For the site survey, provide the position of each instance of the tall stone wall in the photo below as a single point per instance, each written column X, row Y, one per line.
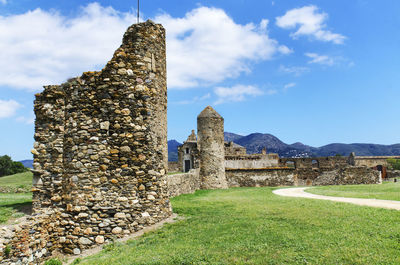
column 100, row 153
column 210, row 131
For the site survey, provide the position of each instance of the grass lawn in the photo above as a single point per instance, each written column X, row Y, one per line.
column 385, row 191
column 254, row 226
column 13, row 205
column 18, row 181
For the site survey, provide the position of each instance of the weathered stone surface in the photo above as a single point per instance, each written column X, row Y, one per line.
column 97, row 137
column 210, row 133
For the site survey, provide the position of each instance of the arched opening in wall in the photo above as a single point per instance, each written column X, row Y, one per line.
column 382, row 169
column 290, row 164
column 314, row 164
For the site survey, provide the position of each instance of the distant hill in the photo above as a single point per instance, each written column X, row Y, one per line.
column 173, row 150
column 255, row 142
column 27, row 163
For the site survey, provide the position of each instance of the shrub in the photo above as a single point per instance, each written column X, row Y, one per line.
column 394, row 163
column 7, row 251
column 53, row 262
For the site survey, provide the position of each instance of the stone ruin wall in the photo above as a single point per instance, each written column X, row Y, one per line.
column 251, row 161
column 183, row 183
column 100, row 153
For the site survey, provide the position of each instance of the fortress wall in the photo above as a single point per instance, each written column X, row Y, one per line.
column 48, row 148
column 263, row 177
column 101, row 152
column 251, row 161
column 183, row 183
column 260, row 177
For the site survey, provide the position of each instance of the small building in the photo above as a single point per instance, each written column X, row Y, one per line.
column 188, row 154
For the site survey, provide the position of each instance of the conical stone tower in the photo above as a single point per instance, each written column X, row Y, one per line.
column 210, row 130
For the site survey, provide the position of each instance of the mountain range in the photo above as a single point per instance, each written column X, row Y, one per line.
column 255, row 142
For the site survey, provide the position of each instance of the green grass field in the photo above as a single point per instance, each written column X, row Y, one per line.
column 13, row 205
column 386, row 191
column 17, row 181
column 254, row 226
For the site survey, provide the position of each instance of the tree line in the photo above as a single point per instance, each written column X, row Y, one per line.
column 10, row 167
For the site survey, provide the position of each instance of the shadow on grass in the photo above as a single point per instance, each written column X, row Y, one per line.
column 25, row 208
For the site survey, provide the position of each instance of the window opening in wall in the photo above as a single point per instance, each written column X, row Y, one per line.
column 290, row 164
column 315, row 164
column 187, row 150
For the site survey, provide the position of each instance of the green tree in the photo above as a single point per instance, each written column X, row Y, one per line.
column 9, row 167
column 394, row 163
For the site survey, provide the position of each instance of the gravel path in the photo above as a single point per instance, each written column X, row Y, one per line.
column 299, row 192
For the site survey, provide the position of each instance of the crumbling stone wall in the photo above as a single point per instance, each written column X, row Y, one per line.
column 253, row 177
column 210, row 131
column 100, row 153
column 251, row 161
column 183, row 183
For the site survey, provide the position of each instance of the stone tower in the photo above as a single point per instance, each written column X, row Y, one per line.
column 210, row 133
column 100, row 154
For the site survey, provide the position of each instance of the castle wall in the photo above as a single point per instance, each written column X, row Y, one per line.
column 348, row 175
column 251, row 161
column 100, row 155
column 260, row 177
column 183, row 183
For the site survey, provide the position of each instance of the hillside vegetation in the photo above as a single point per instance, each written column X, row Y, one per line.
column 254, row 226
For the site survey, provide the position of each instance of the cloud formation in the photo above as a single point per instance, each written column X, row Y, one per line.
column 8, row 108
column 44, row 47
column 236, row 93
column 320, row 59
column 204, row 47
column 3, row 2
column 309, row 22
column 296, row 70
column 207, row 46
column 287, row 86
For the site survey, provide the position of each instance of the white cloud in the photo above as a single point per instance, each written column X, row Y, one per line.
column 8, row 108
column 290, row 85
column 236, row 93
column 26, row 120
column 320, row 59
column 296, row 70
column 310, row 22
column 43, row 47
column 3, row 2
column 195, row 99
column 271, row 92
column 207, row 46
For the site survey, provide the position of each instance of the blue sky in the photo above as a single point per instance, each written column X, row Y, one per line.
column 315, row 72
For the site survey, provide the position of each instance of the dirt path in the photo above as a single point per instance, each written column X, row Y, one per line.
column 299, row 192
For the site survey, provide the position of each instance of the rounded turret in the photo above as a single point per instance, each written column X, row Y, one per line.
column 210, row 134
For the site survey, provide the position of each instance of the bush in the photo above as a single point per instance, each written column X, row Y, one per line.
column 394, row 163
column 9, row 167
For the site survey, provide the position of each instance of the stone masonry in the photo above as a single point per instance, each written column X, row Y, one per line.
column 210, row 131
column 100, row 152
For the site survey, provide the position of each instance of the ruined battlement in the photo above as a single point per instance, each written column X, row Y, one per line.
column 100, row 152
